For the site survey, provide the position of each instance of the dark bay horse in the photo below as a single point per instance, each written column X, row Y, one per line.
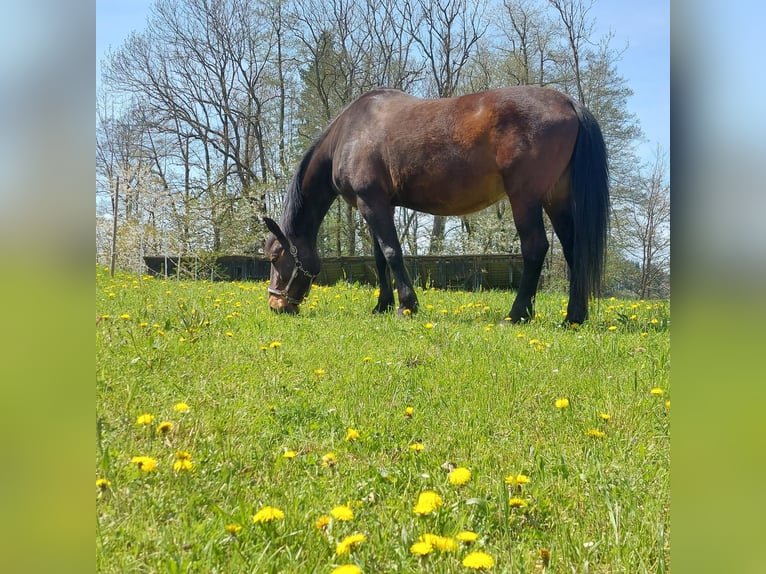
column 452, row 156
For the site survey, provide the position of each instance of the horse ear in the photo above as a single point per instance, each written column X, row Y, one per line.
column 274, row 228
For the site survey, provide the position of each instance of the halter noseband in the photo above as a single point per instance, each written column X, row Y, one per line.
column 282, row 294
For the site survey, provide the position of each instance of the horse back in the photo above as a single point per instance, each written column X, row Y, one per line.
column 452, row 156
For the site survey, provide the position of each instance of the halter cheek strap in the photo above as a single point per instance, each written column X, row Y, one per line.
column 282, row 293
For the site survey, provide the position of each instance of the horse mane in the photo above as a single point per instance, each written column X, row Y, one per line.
column 294, row 197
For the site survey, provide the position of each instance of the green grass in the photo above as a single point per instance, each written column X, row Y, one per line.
column 483, row 397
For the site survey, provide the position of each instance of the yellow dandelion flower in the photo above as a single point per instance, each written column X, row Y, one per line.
column 417, row 446
column 268, row 514
column 428, row 502
column 289, row 454
column 562, row 403
column 329, row 460
column 322, row 522
column 595, row 433
column 144, row 419
column 409, row 412
column 180, row 407
column 183, row 464
column 319, row 372
column 478, row 561
column 124, row 316
column 275, row 344
column 349, row 543
column 103, row 483
column 183, row 455
column 352, row 434
column 441, row 543
column 517, row 503
column 667, row 404
column 605, row 416
column 145, row 463
column 347, row 569
column 459, row 476
column 467, row 537
column 421, row 548
column 366, row 359
column 612, row 328
column 429, row 325
column 164, row 427
column 232, row 528
column 657, row 392
column 407, row 312
column 342, row 513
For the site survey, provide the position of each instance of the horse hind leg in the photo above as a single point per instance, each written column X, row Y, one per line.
column 560, row 214
column 528, row 219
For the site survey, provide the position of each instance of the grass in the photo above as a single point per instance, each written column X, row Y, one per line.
column 482, row 396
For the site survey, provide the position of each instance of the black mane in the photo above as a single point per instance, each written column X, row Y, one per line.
column 294, row 197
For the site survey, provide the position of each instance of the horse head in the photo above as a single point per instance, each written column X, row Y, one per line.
column 290, row 281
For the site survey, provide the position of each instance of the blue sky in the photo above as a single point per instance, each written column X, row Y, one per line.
column 641, row 25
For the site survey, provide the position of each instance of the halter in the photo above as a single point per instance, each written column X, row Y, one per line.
column 298, row 267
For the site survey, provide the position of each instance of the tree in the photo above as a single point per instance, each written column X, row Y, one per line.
column 643, row 227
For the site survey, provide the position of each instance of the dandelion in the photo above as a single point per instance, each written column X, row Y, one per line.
column 352, row 434
column 347, row 569
column 667, row 404
column 349, row 543
column 562, row 403
column 322, row 522
column 428, row 502
column 459, row 476
column 103, row 483
column 183, row 455
column 478, row 561
column 517, row 479
column 124, row 316
column 517, row 503
column 595, row 433
column 289, row 454
column 229, row 334
column 164, row 427
column 407, row 312
column 441, row 543
column 181, row 407
column 657, row 392
column 366, row 359
column 605, row 416
column 429, row 325
column 144, row 419
column 144, row 463
column 275, row 344
column 232, row 528
column 421, row 548
column 416, row 446
column 408, row 412
column 183, row 464
column 268, row 514
column 342, row 513
column 319, row 372
column 329, row 460
column 467, row 537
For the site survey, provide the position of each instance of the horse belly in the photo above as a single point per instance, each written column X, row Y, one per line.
column 451, row 192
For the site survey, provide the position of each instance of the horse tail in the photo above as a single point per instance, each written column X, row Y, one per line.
column 589, row 172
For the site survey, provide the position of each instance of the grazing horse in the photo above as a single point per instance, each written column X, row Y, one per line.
column 452, row 156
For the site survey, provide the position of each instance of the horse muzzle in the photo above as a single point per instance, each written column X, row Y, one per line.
column 282, row 305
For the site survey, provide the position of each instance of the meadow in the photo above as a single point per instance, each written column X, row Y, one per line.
column 232, row 439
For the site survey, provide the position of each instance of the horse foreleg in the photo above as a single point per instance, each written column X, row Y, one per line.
column 386, row 296
column 380, row 219
column 534, row 246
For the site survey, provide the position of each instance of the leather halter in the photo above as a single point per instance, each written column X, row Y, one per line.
column 282, row 293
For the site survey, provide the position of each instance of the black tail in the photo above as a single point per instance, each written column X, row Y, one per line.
column 590, row 204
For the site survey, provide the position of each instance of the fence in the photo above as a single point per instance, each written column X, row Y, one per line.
column 467, row 272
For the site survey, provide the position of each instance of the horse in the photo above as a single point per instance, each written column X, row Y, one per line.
column 536, row 146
